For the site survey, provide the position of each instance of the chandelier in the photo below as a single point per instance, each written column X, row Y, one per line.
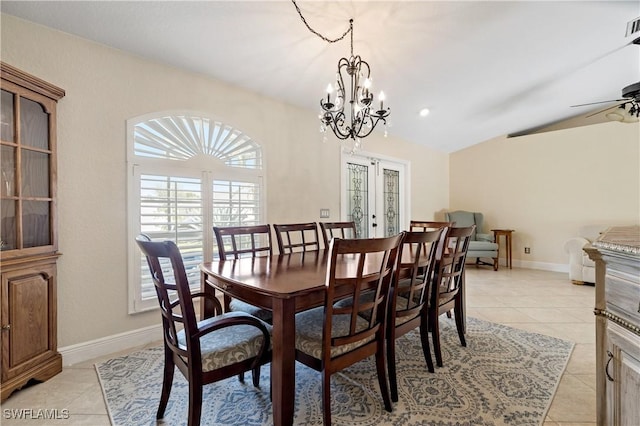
column 352, row 114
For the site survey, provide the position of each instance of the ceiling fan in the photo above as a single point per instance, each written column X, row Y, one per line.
column 625, row 110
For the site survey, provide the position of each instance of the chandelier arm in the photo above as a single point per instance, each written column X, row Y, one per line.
column 335, row 123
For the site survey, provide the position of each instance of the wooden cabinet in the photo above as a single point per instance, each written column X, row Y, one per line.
column 28, row 233
column 617, row 257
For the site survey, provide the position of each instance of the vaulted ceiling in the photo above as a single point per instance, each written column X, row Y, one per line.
column 483, row 68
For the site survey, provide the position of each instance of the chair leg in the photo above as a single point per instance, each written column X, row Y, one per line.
column 424, row 339
column 495, row 263
column 256, row 376
column 241, row 377
column 326, row 397
column 459, row 314
column 167, row 383
column 391, row 362
column 381, row 365
column 435, row 336
column 195, row 402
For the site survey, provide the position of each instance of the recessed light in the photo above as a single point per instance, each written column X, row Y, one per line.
column 424, row 112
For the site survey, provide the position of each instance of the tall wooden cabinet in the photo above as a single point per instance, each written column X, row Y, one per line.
column 617, row 256
column 28, row 234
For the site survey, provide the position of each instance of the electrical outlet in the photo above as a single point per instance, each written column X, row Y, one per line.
column 527, row 250
column 324, row 213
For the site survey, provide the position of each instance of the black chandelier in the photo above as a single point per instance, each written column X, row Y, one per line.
column 350, row 115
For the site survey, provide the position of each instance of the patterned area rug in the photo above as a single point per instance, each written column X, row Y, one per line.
column 504, row 376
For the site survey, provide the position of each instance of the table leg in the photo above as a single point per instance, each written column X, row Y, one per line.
column 283, row 363
column 509, row 251
column 207, row 309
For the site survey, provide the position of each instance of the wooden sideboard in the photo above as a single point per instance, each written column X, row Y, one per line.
column 617, row 307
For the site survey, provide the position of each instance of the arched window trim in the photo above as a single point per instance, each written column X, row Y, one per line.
column 199, row 160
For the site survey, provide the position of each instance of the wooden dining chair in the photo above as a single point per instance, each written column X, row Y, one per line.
column 297, row 237
column 337, row 229
column 424, row 225
column 235, row 242
column 330, row 338
column 204, row 351
column 410, row 294
column 447, row 286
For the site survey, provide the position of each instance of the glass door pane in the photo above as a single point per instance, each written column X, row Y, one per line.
column 357, row 199
column 35, row 174
column 36, row 220
column 34, row 124
column 7, row 129
column 8, row 225
column 391, row 203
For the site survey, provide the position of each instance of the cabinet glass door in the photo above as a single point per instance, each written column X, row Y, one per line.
column 25, row 185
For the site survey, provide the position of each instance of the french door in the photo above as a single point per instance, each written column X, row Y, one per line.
column 374, row 195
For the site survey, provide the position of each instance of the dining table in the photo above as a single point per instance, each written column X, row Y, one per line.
column 285, row 284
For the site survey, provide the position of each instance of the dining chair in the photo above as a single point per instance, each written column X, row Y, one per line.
column 204, row 351
column 410, row 294
column 425, row 225
column 447, row 286
column 331, row 337
column 235, row 242
column 297, row 237
column 337, row 229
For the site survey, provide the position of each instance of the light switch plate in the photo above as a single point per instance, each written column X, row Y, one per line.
column 324, row 214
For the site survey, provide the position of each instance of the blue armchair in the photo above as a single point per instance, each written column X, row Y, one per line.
column 481, row 245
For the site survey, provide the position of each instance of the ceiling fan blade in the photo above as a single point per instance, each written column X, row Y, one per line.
column 600, row 102
column 578, row 120
column 606, row 109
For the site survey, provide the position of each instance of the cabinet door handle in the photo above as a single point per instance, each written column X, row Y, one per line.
column 6, row 327
column 606, row 368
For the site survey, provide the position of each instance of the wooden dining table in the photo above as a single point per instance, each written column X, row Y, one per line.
column 285, row 284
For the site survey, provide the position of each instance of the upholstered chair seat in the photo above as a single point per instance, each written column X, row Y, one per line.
column 309, row 335
column 227, row 346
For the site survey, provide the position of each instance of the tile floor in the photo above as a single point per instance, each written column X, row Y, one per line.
column 537, row 301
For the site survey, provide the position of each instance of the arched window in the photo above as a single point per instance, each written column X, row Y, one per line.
column 186, row 173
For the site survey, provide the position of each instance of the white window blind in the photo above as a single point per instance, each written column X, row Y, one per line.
column 171, row 209
column 188, row 173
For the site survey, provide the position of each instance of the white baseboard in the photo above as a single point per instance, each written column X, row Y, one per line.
column 545, row 266
column 85, row 351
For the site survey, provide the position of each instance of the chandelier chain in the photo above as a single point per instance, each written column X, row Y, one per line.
column 328, row 40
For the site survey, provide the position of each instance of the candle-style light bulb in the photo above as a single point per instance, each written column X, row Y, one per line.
column 382, row 98
column 329, row 92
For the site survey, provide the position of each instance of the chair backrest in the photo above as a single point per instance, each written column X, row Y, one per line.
column 416, row 263
column 297, row 237
column 344, row 230
column 238, row 241
column 164, row 258
column 424, row 225
column 449, row 269
column 463, row 219
column 372, row 274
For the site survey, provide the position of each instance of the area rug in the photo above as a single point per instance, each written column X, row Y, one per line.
column 504, row 376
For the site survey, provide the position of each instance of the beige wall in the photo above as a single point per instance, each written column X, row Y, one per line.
column 105, row 87
column 547, row 186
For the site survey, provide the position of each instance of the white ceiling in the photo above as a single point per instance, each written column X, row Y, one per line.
column 483, row 68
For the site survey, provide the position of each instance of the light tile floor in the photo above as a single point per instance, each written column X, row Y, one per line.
column 537, row 301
